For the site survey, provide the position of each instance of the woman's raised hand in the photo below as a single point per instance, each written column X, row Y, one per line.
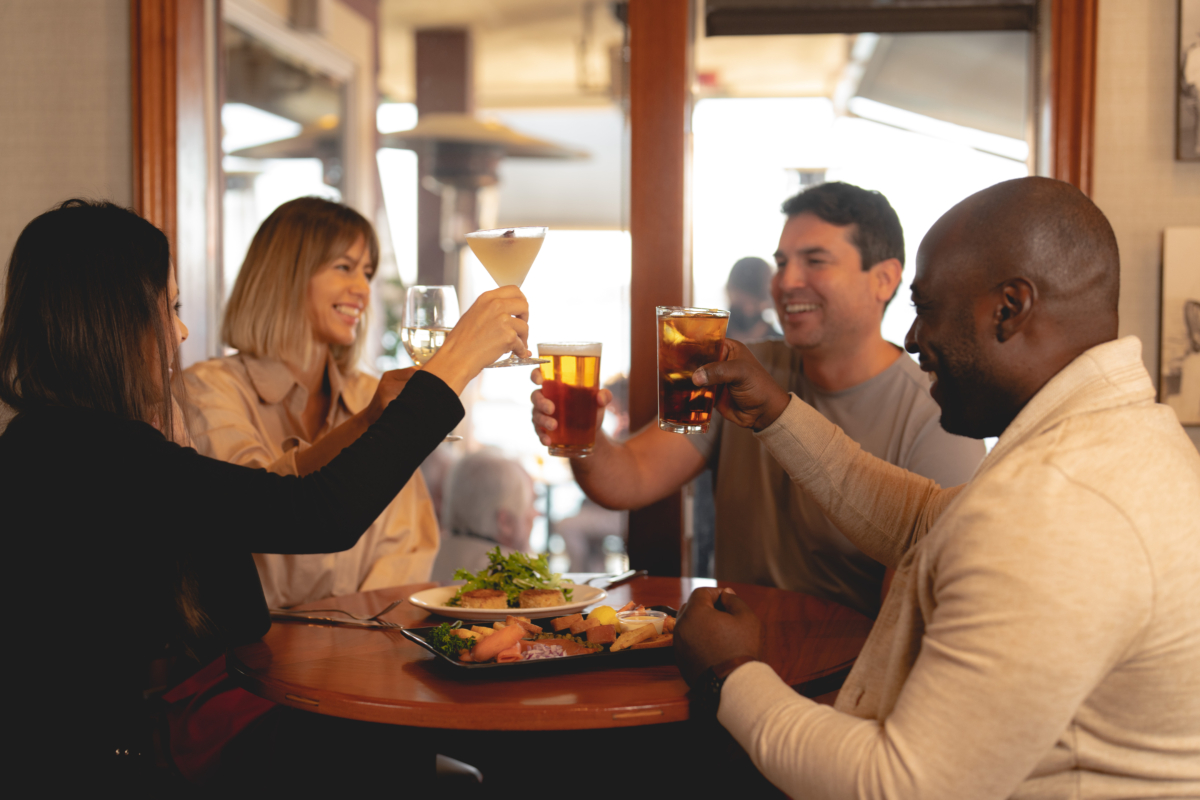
column 497, row 323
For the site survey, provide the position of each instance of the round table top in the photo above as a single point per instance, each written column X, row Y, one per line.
column 377, row 675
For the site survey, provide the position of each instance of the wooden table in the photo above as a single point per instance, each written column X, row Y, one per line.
column 377, row 675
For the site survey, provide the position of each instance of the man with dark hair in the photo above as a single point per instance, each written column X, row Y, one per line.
column 830, row 296
column 876, row 228
column 1041, row 638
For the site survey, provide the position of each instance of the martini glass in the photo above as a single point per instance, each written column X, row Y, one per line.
column 507, row 254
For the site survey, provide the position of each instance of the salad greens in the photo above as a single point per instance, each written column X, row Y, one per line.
column 511, row 574
column 445, row 641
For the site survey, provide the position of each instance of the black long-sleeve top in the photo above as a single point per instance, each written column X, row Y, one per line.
column 98, row 513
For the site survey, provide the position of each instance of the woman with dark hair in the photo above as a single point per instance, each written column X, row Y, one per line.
column 126, row 546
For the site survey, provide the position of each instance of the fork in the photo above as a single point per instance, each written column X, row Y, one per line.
column 375, row 618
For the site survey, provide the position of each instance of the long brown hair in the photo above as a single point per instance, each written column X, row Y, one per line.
column 267, row 310
column 86, row 292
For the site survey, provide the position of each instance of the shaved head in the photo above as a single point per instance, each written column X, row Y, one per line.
column 1047, row 232
column 1012, row 284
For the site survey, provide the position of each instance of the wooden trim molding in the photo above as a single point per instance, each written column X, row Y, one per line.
column 153, row 41
column 659, row 152
column 1072, row 104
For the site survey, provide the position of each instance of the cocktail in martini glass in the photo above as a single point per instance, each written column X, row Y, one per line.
column 507, row 254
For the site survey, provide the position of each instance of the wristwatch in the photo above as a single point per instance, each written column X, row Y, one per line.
column 712, row 680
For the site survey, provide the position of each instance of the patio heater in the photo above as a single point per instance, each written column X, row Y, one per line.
column 459, row 155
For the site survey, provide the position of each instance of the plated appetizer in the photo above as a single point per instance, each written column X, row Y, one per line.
column 517, row 638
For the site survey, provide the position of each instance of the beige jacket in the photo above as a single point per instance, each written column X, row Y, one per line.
column 1042, row 636
column 247, row 410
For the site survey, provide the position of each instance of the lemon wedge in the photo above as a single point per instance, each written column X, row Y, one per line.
column 604, row 615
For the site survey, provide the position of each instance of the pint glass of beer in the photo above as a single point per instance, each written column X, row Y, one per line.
column 570, row 380
column 688, row 338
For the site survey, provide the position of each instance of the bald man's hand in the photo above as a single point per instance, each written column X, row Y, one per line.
column 714, row 627
column 751, row 398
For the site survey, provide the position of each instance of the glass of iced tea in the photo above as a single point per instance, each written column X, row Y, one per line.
column 570, row 380
column 688, row 338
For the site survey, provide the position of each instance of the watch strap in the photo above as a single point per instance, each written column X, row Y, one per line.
column 713, row 680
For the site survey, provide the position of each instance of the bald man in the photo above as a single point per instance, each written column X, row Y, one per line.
column 1042, row 636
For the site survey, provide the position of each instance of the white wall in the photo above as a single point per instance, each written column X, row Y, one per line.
column 65, row 118
column 1138, row 184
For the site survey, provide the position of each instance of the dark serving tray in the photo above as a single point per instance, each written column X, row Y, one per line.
column 604, row 658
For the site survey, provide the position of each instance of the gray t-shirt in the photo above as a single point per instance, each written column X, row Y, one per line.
column 769, row 532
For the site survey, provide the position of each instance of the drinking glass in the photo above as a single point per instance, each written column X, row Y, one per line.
column 507, row 254
column 688, row 338
column 571, row 380
column 429, row 314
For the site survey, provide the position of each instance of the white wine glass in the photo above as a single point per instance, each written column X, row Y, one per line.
column 429, row 314
column 507, row 254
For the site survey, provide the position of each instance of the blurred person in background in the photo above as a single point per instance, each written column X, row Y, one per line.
column 293, row 396
column 488, row 503
column 749, row 293
column 838, row 265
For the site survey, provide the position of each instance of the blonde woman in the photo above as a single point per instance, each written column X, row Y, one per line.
column 292, row 397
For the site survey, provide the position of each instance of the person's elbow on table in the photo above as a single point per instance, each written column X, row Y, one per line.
column 747, row 395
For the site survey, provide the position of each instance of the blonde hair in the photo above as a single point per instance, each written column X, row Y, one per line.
column 267, row 311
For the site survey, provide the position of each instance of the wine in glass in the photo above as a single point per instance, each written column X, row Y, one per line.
column 429, row 314
column 507, row 254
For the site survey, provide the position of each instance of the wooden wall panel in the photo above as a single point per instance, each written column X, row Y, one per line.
column 659, row 225
column 1072, row 104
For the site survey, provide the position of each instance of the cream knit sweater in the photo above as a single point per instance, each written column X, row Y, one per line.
column 1042, row 635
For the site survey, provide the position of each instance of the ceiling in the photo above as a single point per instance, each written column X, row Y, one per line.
column 564, row 53
column 975, row 79
column 528, row 53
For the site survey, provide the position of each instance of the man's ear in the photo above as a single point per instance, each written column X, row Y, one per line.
column 886, row 275
column 1014, row 308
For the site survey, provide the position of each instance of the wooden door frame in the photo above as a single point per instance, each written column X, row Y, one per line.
column 660, row 163
column 660, row 107
column 1067, row 33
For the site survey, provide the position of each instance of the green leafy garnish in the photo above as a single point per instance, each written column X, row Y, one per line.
column 512, row 575
column 445, row 641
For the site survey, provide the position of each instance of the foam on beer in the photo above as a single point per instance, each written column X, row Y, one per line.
column 570, row 349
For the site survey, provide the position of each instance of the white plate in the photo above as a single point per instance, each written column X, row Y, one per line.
column 434, row 601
